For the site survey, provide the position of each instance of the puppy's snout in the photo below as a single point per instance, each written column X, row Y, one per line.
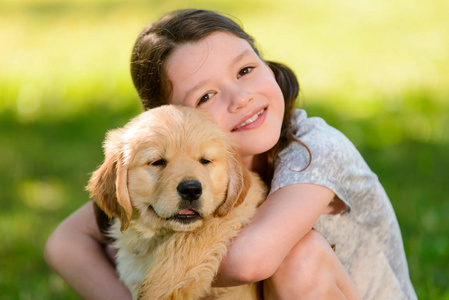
column 190, row 190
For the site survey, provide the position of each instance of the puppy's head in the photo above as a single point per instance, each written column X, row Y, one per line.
column 170, row 167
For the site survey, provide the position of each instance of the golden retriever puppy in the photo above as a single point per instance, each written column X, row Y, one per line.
column 178, row 194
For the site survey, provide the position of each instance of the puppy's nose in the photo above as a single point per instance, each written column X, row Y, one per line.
column 190, row 190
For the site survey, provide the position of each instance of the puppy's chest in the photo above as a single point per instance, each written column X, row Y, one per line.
column 135, row 255
column 137, row 244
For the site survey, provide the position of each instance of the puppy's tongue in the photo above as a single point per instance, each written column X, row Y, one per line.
column 186, row 212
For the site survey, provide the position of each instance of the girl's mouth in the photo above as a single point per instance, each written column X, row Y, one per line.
column 251, row 119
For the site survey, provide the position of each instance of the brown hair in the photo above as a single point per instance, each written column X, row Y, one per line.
column 158, row 40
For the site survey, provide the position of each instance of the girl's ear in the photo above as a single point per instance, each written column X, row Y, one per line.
column 108, row 186
column 238, row 186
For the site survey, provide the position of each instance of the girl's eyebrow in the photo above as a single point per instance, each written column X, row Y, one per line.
column 197, row 86
column 233, row 62
column 240, row 56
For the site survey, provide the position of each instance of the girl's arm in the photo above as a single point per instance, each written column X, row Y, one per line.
column 75, row 251
column 281, row 221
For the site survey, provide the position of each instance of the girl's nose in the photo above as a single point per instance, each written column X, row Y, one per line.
column 239, row 99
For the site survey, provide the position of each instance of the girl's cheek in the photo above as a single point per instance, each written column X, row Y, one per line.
column 218, row 113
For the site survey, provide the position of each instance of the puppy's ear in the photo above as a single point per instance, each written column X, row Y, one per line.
column 121, row 184
column 239, row 184
column 108, row 186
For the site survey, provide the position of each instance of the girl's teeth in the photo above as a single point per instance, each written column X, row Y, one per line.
column 250, row 120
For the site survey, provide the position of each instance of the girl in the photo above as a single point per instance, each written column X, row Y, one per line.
column 318, row 179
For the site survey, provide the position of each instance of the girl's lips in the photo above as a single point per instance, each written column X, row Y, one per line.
column 252, row 121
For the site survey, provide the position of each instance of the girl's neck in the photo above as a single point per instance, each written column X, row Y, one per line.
column 258, row 164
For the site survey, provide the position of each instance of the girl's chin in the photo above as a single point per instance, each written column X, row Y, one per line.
column 255, row 142
column 251, row 149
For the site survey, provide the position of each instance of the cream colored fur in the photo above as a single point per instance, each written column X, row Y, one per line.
column 159, row 256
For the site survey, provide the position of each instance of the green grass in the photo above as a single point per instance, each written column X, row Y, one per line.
column 376, row 70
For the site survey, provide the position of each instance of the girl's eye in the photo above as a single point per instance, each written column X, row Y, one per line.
column 205, row 98
column 244, row 71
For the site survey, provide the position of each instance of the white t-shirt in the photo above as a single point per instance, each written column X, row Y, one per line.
column 366, row 235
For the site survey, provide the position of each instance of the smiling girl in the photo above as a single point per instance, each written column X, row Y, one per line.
column 322, row 191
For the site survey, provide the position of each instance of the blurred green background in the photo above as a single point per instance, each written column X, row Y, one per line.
column 376, row 70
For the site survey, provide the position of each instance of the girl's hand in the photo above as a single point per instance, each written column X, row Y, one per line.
column 280, row 222
column 280, row 247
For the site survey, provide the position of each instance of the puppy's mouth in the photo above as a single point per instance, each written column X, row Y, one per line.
column 186, row 216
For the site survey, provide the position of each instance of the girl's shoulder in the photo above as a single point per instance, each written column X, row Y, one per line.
column 325, row 157
column 325, row 154
column 317, row 133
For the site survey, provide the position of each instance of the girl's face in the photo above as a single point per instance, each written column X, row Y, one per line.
column 223, row 75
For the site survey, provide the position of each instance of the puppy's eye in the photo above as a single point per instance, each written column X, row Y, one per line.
column 159, row 163
column 205, row 161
